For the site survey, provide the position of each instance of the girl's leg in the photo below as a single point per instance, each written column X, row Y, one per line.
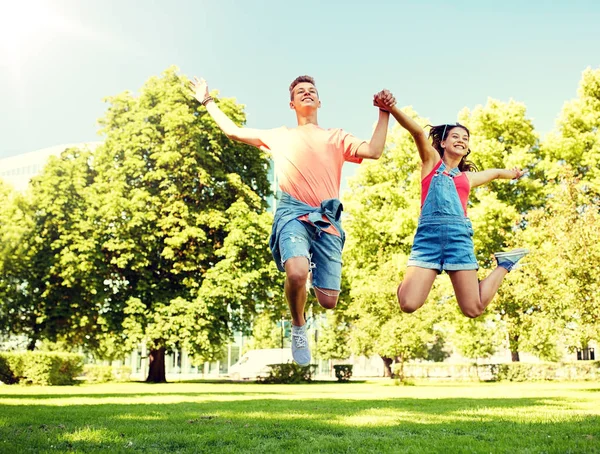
column 415, row 287
column 473, row 296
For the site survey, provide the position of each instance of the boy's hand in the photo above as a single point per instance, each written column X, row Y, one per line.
column 199, row 89
column 384, row 100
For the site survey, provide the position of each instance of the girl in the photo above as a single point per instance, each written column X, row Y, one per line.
column 444, row 235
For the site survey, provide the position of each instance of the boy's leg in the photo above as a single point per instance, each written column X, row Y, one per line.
column 294, row 245
column 327, row 271
column 296, row 274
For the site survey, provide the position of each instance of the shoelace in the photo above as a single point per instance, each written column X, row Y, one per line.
column 301, row 340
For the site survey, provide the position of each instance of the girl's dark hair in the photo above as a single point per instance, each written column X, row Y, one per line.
column 439, row 133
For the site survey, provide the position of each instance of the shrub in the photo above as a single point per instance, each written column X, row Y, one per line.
column 44, row 368
column 122, row 373
column 6, row 374
column 97, row 373
column 343, row 372
column 288, row 373
column 517, row 371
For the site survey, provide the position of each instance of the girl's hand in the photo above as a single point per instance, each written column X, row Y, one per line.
column 384, row 100
column 518, row 173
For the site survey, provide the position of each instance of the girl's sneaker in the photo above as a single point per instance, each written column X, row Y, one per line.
column 509, row 259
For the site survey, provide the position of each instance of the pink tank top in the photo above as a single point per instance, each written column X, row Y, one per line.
column 463, row 187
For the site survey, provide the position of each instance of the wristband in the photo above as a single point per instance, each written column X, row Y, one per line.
column 206, row 100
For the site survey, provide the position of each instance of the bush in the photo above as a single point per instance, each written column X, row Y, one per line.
column 122, row 373
column 288, row 373
column 6, row 374
column 343, row 372
column 517, row 371
column 44, row 368
column 97, row 373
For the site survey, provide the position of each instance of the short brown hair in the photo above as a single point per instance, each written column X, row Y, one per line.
column 298, row 80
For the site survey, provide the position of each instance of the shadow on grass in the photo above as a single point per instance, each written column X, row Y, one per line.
column 305, row 425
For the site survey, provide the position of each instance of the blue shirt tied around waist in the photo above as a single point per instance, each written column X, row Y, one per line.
column 290, row 208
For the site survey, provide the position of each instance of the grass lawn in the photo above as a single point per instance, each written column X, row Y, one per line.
column 373, row 417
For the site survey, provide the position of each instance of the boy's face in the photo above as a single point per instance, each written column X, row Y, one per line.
column 305, row 95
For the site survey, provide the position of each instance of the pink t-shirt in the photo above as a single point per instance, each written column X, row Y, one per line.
column 308, row 160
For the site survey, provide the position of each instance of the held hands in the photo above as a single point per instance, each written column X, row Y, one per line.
column 199, row 89
column 384, row 100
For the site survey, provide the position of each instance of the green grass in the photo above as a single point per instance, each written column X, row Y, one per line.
column 376, row 417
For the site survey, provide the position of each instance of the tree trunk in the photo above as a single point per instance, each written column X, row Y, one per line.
column 400, row 370
column 387, row 366
column 513, row 343
column 31, row 345
column 156, row 369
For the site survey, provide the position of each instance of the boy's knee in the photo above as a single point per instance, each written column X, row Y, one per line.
column 326, row 300
column 296, row 272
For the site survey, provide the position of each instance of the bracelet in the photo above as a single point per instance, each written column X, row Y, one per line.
column 206, row 100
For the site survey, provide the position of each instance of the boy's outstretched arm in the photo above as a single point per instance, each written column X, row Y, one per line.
column 199, row 89
column 374, row 148
column 485, row 176
column 429, row 155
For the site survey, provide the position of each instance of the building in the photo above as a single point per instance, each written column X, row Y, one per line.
column 18, row 170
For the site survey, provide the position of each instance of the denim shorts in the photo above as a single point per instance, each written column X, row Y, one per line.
column 444, row 243
column 322, row 250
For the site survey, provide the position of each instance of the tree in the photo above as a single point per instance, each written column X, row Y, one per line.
column 562, row 277
column 266, row 332
column 333, row 340
column 478, row 338
column 576, row 142
column 503, row 137
column 51, row 258
column 174, row 198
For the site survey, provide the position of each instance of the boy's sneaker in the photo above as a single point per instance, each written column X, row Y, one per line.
column 300, row 348
column 509, row 259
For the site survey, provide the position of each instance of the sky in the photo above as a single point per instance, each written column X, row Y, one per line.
column 60, row 58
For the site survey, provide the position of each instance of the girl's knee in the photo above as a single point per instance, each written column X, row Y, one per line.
column 408, row 306
column 472, row 311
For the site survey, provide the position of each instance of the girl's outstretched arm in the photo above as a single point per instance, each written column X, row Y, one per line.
column 429, row 155
column 485, row 176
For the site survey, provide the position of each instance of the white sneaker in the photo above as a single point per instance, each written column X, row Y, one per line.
column 300, row 347
column 509, row 259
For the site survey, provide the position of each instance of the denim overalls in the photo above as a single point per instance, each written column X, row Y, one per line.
column 444, row 238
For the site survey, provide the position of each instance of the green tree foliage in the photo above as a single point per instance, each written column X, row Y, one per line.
column 266, row 332
column 159, row 237
column 333, row 340
column 503, row 137
column 478, row 338
column 576, row 142
column 51, row 259
column 562, row 275
column 181, row 214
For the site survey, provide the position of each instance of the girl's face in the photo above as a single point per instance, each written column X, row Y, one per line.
column 456, row 142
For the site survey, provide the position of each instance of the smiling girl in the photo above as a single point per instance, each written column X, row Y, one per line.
column 444, row 238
